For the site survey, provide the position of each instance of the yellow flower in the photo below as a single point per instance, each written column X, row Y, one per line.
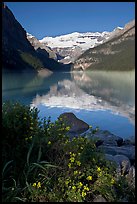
column 72, row 159
column 25, row 118
column 73, row 155
column 68, row 128
column 39, row 185
column 78, row 163
column 49, row 142
column 31, row 128
column 80, row 184
column 75, row 172
column 81, row 147
column 98, row 169
column 83, row 194
column 69, row 165
column 34, row 185
column 30, row 137
column 73, row 187
column 89, row 178
column 26, row 138
column 86, row 188
column 112, row 181
column 90, row 126
column 67, row 182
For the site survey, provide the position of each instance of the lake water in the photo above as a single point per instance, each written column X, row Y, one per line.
column 100, row 98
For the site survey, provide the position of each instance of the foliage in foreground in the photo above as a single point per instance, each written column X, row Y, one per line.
column 42, row 164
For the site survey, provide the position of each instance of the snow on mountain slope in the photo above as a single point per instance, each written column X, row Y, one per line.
column 70, row 46
column 82, row 40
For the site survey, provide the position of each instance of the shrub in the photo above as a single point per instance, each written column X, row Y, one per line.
column 41, row 163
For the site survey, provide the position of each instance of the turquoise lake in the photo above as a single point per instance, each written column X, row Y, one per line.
column 100, row 98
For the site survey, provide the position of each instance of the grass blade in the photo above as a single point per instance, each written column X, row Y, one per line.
column 6, row 167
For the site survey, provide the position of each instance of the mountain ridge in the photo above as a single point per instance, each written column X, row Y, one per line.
column 70, row 46
column 117, row 53
column 18, row 54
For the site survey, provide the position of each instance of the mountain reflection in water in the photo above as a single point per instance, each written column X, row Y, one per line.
column 94, row 90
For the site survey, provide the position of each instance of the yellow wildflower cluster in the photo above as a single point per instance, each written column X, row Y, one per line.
column 98, row 169
column 78, row 163
column 68, row 128
column 80, row 184
column 89, row 178
column 72, row 159
column 83, row 194
column 74, row 187
column 86, row 188
column 49, row 142
column 69, row 165
column 72, row 154
column 37, row 185
column 112, row 181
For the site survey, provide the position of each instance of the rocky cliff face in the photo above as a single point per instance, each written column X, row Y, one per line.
column 36, row 44
column 117, row 53
column 18, row 53
column 14, row 41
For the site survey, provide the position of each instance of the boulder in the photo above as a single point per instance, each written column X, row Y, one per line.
column 99, row 142
column 127, row 142
column 132, row 140
column 131, row 176
column 127, row 150
column 123, row 162
column 109, row 157
column 76, row 125
column 107, row 138
column 99, row 198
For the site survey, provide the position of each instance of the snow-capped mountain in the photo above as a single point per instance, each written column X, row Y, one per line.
column 117, row 53
column 83, row 40
column 72, row 45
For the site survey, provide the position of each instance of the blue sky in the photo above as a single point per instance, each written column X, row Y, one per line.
column 56, row 18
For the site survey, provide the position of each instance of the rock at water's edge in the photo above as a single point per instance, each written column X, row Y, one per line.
column 76, row 125
column 99, row 198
